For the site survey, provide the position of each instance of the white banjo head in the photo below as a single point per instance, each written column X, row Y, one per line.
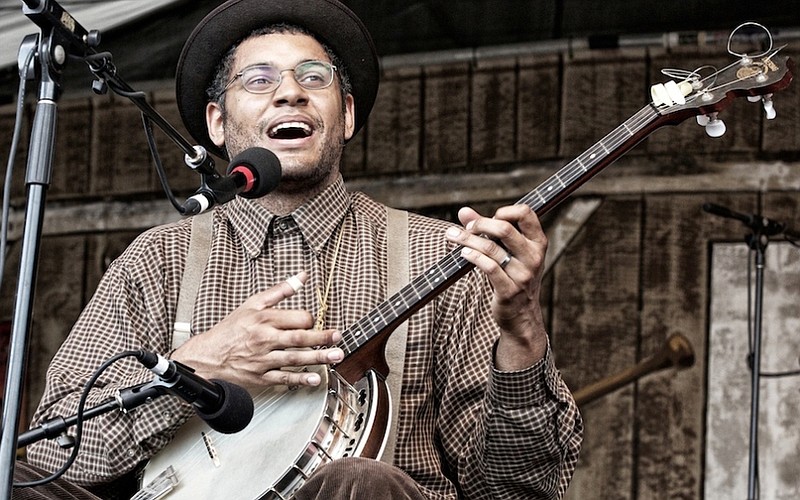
column 213, row 465
column 292, row 433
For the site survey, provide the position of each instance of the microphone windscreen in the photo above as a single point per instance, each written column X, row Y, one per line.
column 265, row 166
column 236, row 410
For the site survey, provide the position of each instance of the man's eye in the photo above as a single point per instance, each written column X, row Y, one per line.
column 259, row 80
column 312, row 78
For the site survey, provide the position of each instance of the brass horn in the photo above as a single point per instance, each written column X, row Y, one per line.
column 677, row 351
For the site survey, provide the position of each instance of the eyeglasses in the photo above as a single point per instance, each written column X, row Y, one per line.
column 263, row 79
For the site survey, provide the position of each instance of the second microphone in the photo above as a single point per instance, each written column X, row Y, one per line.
column 251, row 174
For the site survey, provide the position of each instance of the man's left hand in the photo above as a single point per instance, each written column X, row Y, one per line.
column 510, row 248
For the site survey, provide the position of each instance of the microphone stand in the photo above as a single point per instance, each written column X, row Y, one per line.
column 56, row 427
column 762, row 228
column 757, row 241
column 61, row 37
column 51, row 56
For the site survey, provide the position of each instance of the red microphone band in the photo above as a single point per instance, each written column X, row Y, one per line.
column 248, row 175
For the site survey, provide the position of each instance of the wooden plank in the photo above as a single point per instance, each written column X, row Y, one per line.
column 7, row 123
column 354, row 156
column 10, row 280
column 120, row 161
column 594, row 329
column 782, row 207
column 538, row 107
column 493, row 111
column 447, row 125
column 601, row 90
column 630, row 175
column 780, row 135
column 426, row 193
column 63, row 219
column 395, row 124
column 68, row 274
column 674, row 293
column 72, row 149
column 565, row 225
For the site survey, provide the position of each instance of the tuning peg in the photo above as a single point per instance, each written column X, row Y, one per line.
column 769, row 109
column 670, row 93
column 715, row 127
column 702, row 120
column 766, row 100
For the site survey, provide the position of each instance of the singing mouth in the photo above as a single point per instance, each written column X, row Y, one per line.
column 290, row 130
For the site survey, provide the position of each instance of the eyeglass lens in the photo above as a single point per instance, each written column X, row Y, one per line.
column 311, row 75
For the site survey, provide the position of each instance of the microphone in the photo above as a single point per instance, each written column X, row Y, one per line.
column 251, row 174
column 758, row 223
column 226, row 407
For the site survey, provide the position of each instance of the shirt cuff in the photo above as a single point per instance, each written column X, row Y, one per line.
column 532, row 386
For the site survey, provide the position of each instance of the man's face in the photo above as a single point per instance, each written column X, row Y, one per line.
column 306, row 129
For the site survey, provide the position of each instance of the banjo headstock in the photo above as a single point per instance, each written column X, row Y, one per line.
column 706, row 91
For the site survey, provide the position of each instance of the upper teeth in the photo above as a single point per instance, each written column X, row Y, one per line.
column 285, row 125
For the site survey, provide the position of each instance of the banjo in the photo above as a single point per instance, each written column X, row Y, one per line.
column 295, row 431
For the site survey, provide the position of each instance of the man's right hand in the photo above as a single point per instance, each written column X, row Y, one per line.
column 258, row 345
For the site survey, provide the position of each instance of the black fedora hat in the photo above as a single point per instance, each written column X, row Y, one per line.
column 331, row 22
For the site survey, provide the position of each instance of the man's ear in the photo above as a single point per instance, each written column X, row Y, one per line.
column 215, row 124
column 349, row 117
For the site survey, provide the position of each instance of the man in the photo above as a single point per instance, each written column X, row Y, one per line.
column 484, row 412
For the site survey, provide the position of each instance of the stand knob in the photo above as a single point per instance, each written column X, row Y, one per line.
column 65, row 441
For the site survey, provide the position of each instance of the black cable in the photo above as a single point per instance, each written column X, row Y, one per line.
column 792, row 241
column 103, row 59
column 162, row 174
column 792, row 373
column 750, row 360
column 79, row 421
column 750, row 308
column 12, row 158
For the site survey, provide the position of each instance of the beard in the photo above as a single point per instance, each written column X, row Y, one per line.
column 297, row 175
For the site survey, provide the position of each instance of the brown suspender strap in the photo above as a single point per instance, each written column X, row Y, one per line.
column 196, row 259
column 397, row 277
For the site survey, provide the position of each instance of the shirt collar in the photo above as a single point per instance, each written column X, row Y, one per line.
column 322, row 215
column 250, row 221
column 317, row 219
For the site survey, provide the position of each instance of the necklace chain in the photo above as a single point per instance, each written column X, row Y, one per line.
column 323, row 297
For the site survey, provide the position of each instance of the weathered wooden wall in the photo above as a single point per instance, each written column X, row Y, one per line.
column 485, row 131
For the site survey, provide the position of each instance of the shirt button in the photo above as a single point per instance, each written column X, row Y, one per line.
column 132, row 452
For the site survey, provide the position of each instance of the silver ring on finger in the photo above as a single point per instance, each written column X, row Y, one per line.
column 505, row 261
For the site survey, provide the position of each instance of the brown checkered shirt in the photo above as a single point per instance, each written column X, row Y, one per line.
column 465, row 430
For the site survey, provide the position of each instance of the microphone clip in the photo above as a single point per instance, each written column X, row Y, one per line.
column 201, row 163
column 213, row 190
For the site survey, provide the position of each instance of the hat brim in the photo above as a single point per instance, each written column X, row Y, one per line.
column 331, row 22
